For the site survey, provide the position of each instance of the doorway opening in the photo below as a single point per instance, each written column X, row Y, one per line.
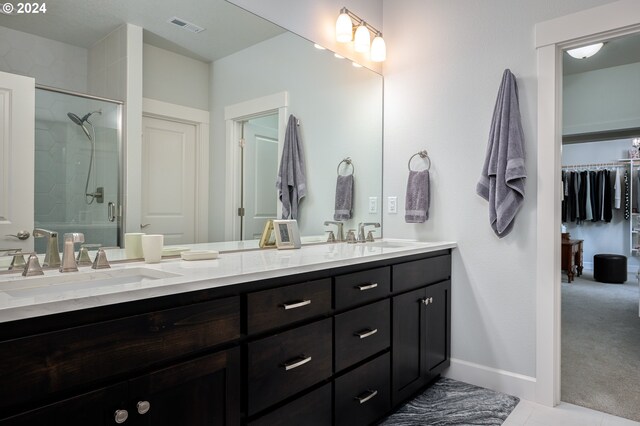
column 254, row 138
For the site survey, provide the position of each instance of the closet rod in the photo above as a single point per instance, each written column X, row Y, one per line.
column 616, row 164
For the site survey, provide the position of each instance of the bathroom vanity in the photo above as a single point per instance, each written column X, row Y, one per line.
column 329, row 334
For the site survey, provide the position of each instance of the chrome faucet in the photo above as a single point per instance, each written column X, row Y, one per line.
column 340, row 226
column 68, row 252
column 361, row 225
column 52, row 256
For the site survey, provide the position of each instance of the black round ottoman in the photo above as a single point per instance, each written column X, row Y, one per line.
column 610, row 268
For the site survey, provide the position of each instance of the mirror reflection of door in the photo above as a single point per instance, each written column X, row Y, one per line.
column 168, row 180
column 260, row 167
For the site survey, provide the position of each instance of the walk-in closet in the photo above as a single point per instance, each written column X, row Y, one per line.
column 600, row 243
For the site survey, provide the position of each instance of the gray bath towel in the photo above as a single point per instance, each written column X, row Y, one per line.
column 503, row 175
column 344, row 198
column 291, row 182
column 417, row 199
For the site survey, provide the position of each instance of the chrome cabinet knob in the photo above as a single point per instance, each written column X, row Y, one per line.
column 143, row 407
column 121, row 416
column 427, row 300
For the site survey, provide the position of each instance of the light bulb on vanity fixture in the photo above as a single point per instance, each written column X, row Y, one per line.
column 361, row 36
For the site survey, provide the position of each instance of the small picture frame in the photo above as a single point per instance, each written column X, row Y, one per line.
column 287, row 234
column 268, row 238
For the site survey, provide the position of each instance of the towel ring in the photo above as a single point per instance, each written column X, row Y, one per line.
column 423, row 154
column 349, row 163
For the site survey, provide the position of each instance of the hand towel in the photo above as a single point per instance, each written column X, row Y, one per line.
column 417, row 199
column 503, row 174
column 291, row 181
column 344, row 198
column 617, row 190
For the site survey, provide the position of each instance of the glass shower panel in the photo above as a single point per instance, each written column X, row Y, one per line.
column 77, row 160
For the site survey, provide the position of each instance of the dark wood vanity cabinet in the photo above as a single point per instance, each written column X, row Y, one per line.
column 342, row 346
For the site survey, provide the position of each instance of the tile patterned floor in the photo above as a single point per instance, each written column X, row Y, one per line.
column 529, row 413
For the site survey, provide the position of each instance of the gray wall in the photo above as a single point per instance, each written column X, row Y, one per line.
column 174, row 78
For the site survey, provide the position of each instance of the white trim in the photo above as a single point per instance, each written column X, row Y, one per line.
column 588, row 266
column 200, row 119
column 596, row 24
column 492, row 378
column 179, row 112
column 234, row 115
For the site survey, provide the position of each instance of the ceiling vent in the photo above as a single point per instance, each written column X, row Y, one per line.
column 185, row 25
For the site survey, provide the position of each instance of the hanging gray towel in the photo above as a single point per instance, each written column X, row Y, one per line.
column 417, row 199
column 503, row 174
column 291, row 182
column 344, row 198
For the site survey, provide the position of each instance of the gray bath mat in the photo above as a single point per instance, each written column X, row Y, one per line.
column 449, row 402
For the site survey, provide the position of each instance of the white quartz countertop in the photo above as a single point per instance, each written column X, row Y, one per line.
column 29, row 297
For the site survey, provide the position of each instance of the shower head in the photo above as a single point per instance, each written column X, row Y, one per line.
column 80, row 121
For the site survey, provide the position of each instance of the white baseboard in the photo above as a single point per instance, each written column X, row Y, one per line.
column 519, row 385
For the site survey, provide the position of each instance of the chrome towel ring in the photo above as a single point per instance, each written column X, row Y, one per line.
column 423, row 154
column 348, row 162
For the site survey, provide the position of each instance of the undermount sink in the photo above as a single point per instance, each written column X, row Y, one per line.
column 19, row 286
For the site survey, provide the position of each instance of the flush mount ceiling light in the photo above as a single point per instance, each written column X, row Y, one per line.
column 361, row 36
column 585, row 51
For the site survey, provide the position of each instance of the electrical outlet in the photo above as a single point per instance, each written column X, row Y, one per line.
column 373, row 204
column 392, row 205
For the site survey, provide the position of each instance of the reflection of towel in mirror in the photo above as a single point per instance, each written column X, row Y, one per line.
column 291, row 182
column 344, row 198
column 418, row 197
column 503, row 174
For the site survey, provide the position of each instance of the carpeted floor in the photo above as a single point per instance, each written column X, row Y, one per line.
column 449, row 402
column 601, row 345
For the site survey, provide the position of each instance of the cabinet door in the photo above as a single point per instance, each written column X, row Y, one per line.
column 205, row 391
column 438, row 328
column 97, row 408
column 421, row 338
column 409, row 341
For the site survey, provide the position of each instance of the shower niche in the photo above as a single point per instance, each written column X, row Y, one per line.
column 77, row 164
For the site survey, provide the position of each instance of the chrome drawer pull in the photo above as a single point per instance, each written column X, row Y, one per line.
column 370, row 394
column 366, row 333
column 301, row 360
column 296, row 304
column 363, row 287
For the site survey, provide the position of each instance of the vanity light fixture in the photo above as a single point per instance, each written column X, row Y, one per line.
column 360, row 34
column 585, row 51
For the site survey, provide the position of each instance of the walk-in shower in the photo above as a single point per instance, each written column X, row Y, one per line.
column 77, row 166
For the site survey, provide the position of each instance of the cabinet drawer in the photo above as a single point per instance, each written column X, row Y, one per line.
column 284, row 305
column 418, row 273
column 282, row 365
column 363, row 396
column 361, row 333
column 44, row 364
column 313, row 409
column 361, row 287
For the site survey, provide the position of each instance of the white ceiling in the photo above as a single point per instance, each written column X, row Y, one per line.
column 620, row 51
column 84, row 22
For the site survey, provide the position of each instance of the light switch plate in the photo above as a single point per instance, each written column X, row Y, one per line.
column 392, row 205
column 373, row 204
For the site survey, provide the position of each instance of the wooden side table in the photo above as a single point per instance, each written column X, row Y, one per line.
column 572, row 258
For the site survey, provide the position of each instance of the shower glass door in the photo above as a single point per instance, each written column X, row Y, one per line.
column 77, row 167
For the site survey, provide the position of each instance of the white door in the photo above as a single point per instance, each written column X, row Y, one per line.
column 168, row 180
column 260, row 170
column 17, row 130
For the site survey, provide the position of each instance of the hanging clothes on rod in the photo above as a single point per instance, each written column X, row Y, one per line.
column 591, row 192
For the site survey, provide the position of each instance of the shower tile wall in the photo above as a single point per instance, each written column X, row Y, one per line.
column 62, row 162
column 50, row 62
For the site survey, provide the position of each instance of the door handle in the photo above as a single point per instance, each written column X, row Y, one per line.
column 21, row 235
column 111, row 211
column 144, row 225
